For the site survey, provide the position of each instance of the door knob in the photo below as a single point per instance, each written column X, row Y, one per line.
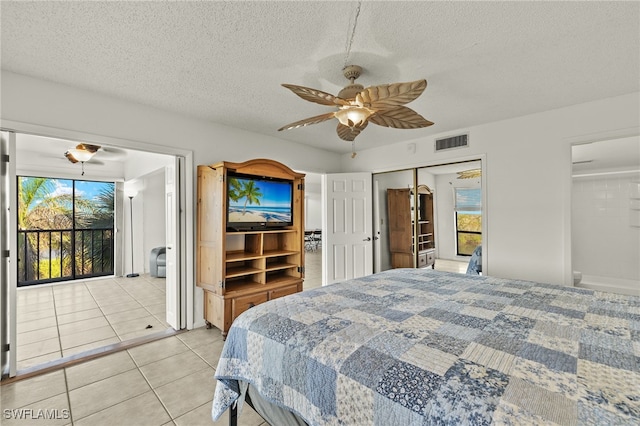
column 367, row 239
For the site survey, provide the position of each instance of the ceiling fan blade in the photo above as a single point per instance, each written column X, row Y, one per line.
column 347, row 133
column 317, row 96
column 112, row 153
column 390, row 95
column 400, row 117
column 88, row 147
column 307, row 121
column 470, row 174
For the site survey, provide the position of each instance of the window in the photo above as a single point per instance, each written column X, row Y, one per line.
column 65, row 229
column 468, row 211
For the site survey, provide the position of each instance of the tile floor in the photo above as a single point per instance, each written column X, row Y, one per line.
column 68, row 318
column 166, row 382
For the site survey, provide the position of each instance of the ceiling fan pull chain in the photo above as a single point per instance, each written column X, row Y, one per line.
column 353, row 149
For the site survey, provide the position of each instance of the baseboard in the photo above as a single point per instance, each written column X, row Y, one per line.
column 610, row 285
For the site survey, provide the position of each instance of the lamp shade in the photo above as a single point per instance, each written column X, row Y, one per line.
column 130, row 192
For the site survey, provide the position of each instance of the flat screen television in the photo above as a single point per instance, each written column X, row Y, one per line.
column 255, row 202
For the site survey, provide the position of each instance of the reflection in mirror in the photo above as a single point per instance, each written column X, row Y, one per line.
column 438, row 226
column 381, row 183
column 457, row 203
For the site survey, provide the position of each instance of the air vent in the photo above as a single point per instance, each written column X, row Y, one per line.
column 452, row 142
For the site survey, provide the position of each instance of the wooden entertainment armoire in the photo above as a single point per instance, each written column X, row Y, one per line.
column 240, row 269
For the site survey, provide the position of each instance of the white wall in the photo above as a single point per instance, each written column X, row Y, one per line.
column 34, row 101
column 313, row 204
column 527, row 178
column 29, row 103
column 145, row 172
column 606, row 228
column 153, row 212
column 527, row 173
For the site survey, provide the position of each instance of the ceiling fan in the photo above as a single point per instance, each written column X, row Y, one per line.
column 82, row 152
column 357, row 106
column 470, row 174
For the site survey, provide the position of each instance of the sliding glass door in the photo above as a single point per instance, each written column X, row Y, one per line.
column 65, row 229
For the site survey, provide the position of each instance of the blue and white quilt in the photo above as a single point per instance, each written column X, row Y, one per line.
column 418, row 347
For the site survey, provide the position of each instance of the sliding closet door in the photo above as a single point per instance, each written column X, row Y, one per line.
column 399, row 179
column 8, row 252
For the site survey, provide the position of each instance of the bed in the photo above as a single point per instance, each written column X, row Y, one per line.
column 418, row 346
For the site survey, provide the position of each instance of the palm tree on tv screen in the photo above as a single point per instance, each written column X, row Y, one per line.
column 235, row 188
column 251, row 193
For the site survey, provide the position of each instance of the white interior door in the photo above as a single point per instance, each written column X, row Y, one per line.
column 8, row 252
column 347, row 238
column 174, row 235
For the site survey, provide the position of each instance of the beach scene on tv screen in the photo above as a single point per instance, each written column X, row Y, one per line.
column 252, row 200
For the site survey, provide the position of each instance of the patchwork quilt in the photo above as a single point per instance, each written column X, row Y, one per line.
column 418, row 347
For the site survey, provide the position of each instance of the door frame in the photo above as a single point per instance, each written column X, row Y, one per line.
column 9, row 269
column 568, row 185
column 187, row 252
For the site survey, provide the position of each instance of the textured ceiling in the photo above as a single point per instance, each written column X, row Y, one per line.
column 225, row 61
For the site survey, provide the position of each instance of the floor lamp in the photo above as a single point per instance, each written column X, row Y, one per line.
column 131, row 194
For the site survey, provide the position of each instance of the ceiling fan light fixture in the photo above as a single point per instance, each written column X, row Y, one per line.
column 352, row 116
column 81, row 155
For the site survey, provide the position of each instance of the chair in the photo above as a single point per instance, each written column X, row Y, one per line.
column 312, row 240
column 158, row 262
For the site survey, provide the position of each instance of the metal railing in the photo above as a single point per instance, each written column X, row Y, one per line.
column 53, row 255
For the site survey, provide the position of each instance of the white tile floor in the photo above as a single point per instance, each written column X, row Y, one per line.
column 68, row 318
column 169, row 381
column 166, row 382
